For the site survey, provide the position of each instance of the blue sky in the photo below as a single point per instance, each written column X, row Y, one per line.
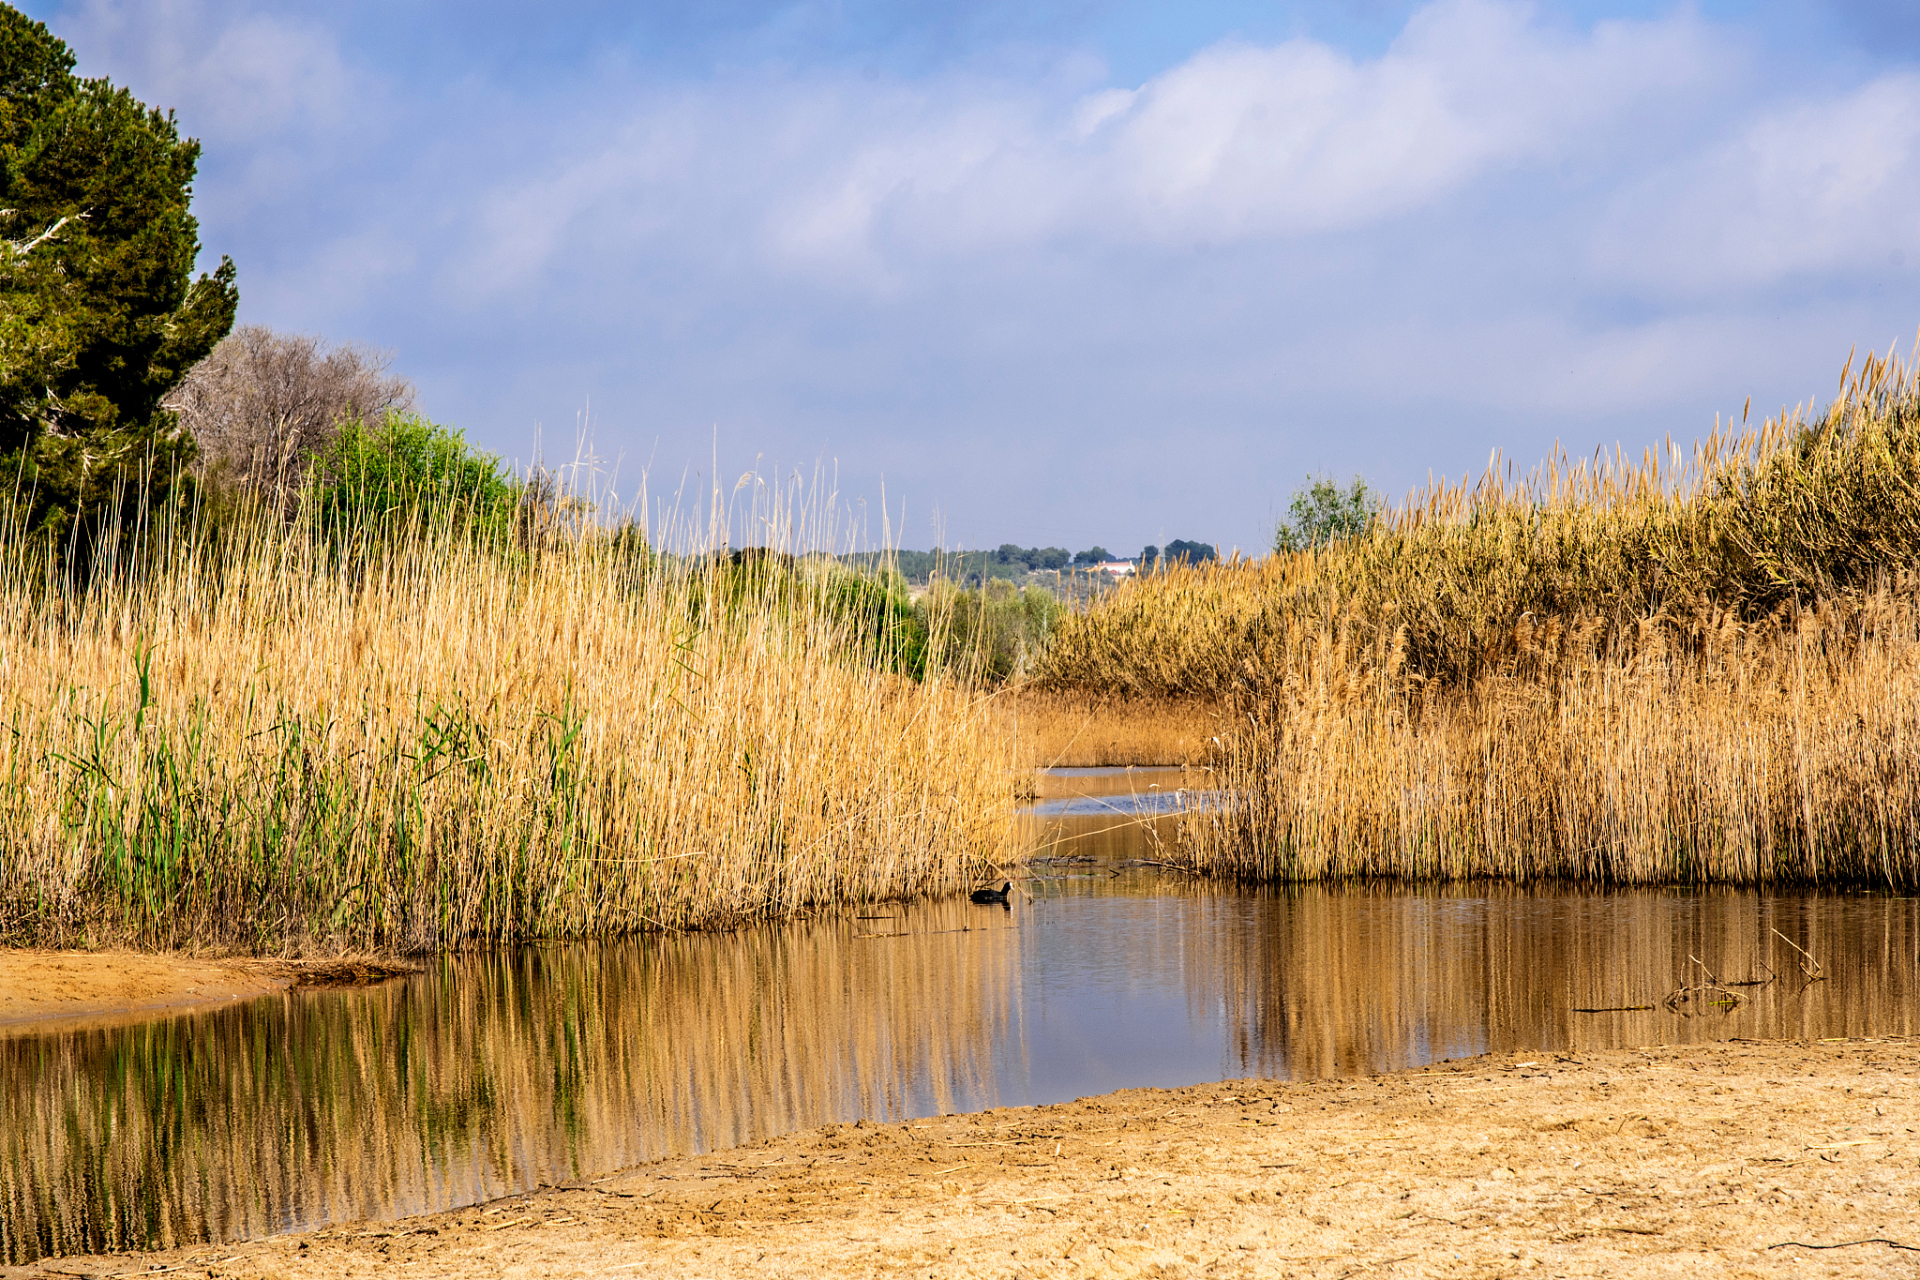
column 1058, row 273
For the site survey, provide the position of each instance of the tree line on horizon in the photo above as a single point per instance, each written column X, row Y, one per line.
column 1010, row 562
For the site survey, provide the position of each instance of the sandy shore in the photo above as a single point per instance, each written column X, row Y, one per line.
column 1672, row 1161
column 46, row 990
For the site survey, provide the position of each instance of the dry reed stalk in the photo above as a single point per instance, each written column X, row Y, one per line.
column 267, row 742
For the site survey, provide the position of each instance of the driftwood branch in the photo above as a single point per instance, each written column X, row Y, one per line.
column 1848, row 1244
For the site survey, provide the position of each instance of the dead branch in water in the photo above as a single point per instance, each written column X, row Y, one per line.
column 1702, row 995
column 1750, row 981
column 1808, row 965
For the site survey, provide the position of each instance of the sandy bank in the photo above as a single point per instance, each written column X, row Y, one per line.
column 47, row 990
column 1680, row 1161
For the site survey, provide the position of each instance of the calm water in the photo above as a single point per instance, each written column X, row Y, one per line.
column 493, row 1074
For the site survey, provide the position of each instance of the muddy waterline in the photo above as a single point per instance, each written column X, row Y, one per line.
column 490, row 1074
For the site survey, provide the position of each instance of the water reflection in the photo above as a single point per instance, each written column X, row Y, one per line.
column 1128, row 792
column 488, row 1075
column 1344, row 981
column 493, row 1073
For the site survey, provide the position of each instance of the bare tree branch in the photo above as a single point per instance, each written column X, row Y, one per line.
column 22, row 247
column 264, row 403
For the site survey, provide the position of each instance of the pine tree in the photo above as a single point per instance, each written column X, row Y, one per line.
column 99, row 313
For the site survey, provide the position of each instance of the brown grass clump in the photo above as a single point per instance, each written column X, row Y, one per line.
column 1698, row 669
column 278, row 742
column 1074, row 730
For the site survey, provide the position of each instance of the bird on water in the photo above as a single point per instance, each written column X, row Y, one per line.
column 993, row 895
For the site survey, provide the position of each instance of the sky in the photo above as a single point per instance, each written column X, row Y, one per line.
column 1062, row 272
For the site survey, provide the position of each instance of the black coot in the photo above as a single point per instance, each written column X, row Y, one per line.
column 993, row 895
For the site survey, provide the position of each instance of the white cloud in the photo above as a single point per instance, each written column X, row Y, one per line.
column 236, row 79
column 1242, row 142
column 1815, row 188
column 866, row 184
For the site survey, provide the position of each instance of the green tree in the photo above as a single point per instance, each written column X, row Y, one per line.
column 1185, row 551
column 99, row 313
column 1323, row 512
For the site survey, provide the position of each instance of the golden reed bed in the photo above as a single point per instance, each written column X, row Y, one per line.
column 261, row 741
column 1690, row 670
column 1068, row 730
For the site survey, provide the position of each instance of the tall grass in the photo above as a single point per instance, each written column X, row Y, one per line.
column 1780, row 751
column 409, row 734
column 1701, row 667
column 1587, row 554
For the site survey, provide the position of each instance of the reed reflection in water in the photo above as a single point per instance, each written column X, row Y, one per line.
column 1346, row 981
column 492, row 1074
column 486, row 1076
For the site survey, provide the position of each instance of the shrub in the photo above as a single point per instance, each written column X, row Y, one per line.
column 1322, row 512
column 990, row 635
column 405, row 470
column 265, row 404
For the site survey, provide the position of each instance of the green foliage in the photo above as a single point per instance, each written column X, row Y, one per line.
column 1008, row 562
column 993, row 634
column 99, row 314
column 1322, row 512
column 380, row 477
column 1028, row 559
column 894, row 634
column 985, row 635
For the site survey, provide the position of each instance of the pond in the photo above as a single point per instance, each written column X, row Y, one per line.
column 496, row 1073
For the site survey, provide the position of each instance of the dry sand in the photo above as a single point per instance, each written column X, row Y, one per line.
column 48, row 990
column 1671, row 1161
